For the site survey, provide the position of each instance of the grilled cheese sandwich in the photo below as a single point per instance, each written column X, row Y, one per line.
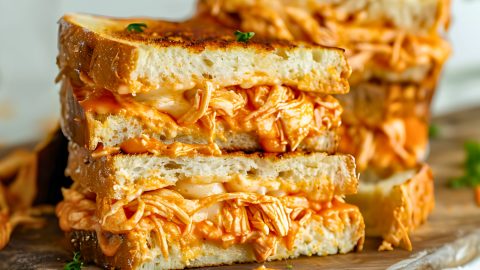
column 189, row 147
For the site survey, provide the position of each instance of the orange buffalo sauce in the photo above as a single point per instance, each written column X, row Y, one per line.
column 145, row 144
column 99, row 101
column 164, row 217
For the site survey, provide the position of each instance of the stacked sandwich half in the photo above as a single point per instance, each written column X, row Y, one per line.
column 191, row 145
column 396, row 49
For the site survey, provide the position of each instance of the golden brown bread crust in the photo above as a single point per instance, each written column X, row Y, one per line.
column 196, row 35
column 86, row 51
column 393, row 214
column 74, row 121
column 109, row 57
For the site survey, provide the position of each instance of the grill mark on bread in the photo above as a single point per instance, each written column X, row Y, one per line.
column 197, row 34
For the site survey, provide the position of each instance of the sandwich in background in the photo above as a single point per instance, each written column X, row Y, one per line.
column 397, row 50
column 194, row 145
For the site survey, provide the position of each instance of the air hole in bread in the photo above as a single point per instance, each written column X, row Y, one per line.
column 311, row 165
column 86, row 160
column 252, row 172
column 317, row 56
column 208, row 62
column 207, row 76
column 282, row 53
column 172, row 166
column 285, row 174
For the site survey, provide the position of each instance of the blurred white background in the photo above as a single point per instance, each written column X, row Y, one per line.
column 29, row 100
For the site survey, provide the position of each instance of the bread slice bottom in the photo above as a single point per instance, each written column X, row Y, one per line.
column 394, row 207
column 318, row 175
column 340, row 232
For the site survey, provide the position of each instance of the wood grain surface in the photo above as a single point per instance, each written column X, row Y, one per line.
column 455, row 217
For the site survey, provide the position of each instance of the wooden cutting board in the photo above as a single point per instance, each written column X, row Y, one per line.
column 450, row 238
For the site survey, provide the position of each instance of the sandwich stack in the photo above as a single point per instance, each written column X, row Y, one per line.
column 396, row 50
column 193, row 145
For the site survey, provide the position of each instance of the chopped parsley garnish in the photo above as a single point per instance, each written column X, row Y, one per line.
column 75, row 264
column 244, row 36
column 136, row 27
column 289, row 266
column 433, row 131
column 471, row 178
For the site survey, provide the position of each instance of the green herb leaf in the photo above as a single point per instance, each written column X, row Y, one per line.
column 136, row 27
column 433, row 131
column 471, row 178
column 289, row 266
column 244, row 37
column 75, row 264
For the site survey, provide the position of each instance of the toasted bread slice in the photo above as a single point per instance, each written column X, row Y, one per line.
column 90, row 128
column 318, row 175
column 181, row 56
column 341, row 234
column 394, row 207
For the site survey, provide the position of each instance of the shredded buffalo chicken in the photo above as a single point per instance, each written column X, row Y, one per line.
column 164, row 216
column 281, row 116
column 396, row 144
